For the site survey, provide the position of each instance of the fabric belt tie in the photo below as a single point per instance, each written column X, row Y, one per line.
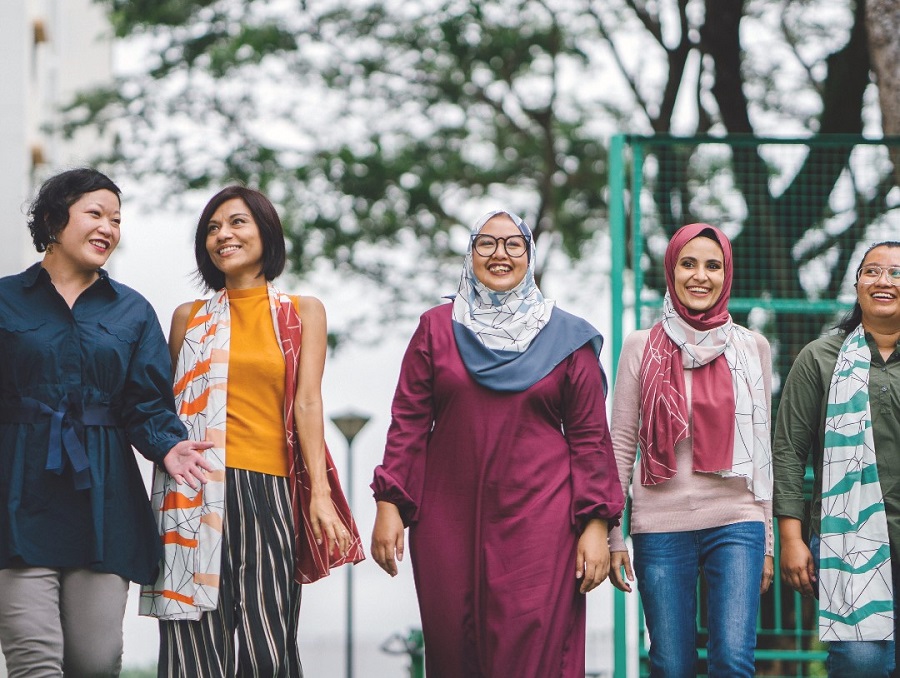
column 67, row 424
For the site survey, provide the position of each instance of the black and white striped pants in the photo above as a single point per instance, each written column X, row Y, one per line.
column 253, row 632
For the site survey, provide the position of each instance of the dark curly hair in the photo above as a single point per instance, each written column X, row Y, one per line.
column 853, row 317
column 270, row 231
column 49, row 213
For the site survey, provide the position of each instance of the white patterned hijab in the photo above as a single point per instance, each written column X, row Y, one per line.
column 502, row 321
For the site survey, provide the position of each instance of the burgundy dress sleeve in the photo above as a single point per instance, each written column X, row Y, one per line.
column 596, row 490
column 400, row 477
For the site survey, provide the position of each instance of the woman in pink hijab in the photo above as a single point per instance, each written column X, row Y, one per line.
column 693, row 395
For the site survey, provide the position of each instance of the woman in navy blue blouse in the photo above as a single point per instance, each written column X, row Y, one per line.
column 84, row 375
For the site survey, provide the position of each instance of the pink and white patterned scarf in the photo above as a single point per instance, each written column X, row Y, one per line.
column 743, row 448
column 729, row 415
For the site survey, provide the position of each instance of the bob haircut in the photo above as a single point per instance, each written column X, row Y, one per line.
column 853, row 317
column 49, row 213
column 270, row 231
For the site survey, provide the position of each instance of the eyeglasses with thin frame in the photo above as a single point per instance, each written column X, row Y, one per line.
column 515, row 245
column 871, row 274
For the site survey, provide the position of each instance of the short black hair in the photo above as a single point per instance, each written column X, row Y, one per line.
column 49, row 213
column 853, row 317
column 270, row 230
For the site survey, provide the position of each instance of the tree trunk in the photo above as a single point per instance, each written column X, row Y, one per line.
column 883, row 26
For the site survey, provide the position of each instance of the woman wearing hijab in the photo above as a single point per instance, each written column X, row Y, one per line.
column 498, row 459
column 693, row 394
column 841, row 405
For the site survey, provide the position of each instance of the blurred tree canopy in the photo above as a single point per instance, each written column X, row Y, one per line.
column 382, row 129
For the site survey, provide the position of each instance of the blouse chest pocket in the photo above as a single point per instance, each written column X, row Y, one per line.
column 109, row 346
column 27, row 348
column 20, row 337
column 17, row 326
column 124, row 333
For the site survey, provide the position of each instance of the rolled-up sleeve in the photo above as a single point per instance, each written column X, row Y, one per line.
column 626, row 419
column 400, row 477
column 797, row 433
column 596, row 491
column 148, row 407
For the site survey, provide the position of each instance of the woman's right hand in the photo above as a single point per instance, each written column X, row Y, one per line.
column 387, row 537
column 185, row 463
column 797, row 567
column 617, row 561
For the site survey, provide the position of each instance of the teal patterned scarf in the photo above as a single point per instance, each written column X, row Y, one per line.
column 855, row 592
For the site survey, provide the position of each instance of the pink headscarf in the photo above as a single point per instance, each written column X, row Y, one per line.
column 664, row 411
column 718, row 314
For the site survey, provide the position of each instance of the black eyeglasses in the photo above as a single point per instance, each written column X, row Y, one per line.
column 515, row 245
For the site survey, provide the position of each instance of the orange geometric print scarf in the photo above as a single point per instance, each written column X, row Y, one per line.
column 190, row 521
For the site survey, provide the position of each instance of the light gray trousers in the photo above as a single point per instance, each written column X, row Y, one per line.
column 61, row 621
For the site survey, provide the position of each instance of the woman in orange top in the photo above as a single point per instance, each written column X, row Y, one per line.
column 272, row 515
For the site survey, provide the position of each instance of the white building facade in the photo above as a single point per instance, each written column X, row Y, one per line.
column 49, row 50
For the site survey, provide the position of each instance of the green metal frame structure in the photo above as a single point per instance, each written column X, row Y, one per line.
column 802, row 208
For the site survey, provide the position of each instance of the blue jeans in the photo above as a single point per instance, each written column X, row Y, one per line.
column 858, row 659
column 667, row 566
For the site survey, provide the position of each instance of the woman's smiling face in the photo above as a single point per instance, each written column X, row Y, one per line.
column 500, row 272
column 234, row 244
column 880, row 299
column 92, row 232
column 700, row 274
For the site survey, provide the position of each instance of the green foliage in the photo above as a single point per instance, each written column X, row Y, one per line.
column 127, row 15
column 382, row 128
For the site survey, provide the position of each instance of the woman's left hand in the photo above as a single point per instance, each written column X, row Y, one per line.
column 768, row 574
column 327, row 525
column 592, row 561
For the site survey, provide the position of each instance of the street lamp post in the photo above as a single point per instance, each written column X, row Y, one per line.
column 350, row 424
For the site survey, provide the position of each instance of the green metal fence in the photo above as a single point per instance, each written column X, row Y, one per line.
column 800, row 212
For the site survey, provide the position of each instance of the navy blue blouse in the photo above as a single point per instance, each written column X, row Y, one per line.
column 78, row 388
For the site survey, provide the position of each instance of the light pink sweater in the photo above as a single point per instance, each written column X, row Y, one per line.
column 689, row 501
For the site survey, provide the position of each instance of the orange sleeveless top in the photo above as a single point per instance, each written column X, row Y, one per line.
column 255, row 438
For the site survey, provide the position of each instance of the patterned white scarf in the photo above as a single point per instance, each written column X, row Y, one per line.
column 502, row 321
column 752, row 454
column 855, row 587
column 191, row 521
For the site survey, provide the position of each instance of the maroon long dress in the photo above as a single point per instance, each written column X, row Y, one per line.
column 495, row 495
